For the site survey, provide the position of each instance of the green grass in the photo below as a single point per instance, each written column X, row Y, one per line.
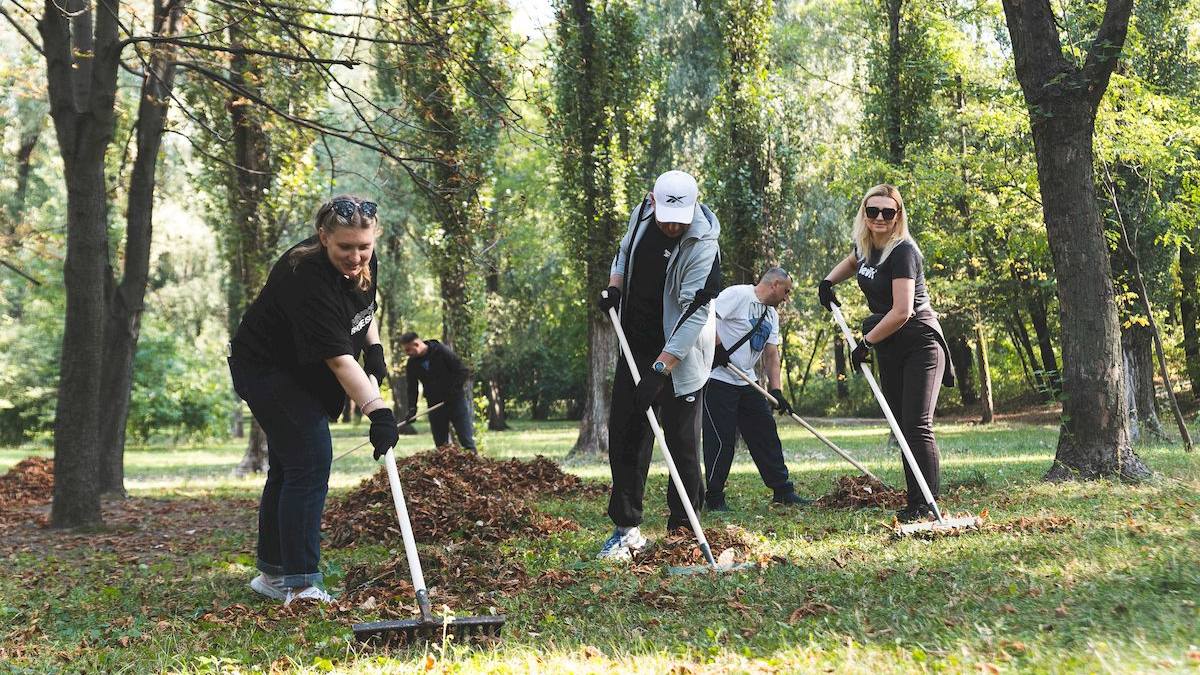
column 1115, row 591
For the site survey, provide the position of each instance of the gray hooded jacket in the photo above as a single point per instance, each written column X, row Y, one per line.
column 693, row 276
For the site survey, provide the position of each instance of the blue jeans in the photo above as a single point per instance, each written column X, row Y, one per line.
column 300, row 451
column 456, row 412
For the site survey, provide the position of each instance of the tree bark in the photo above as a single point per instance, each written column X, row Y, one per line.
column 81, row 80
column 602, row 358
column 964, row 363
column 1062, row 101
column 1036, row 304
column 126, row 301
column 1139, row 365
column 839, row 366
column 255, row 460
column 1189, row 306
column 987, row 411
column 893, row 98
column 497, row 417
column 1025, row 347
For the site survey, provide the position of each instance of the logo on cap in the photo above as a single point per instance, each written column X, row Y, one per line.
column 672, row 199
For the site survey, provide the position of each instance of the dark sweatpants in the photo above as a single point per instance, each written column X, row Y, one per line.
column 631, row 444
column 911, row 363
column 729, row 409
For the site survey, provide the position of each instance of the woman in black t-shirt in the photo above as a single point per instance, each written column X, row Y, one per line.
column 903, row 329
column 294, row 361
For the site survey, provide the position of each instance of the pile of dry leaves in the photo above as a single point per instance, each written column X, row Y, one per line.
column 453, row 494
column 729, row 545
column 860, row 492
column 29, row 483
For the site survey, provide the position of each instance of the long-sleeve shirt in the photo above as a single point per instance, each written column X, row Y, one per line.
column 440, row 372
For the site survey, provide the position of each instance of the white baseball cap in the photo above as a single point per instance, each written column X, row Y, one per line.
column 675, row 197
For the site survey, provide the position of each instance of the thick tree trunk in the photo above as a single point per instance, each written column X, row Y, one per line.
column 602, row 358
column 1189, row 307
column 255, row 460
column 400, row 405
column 1139, row 362
column 497, row 418
column 960, row 352
column 987, row 410
column 1062, row 101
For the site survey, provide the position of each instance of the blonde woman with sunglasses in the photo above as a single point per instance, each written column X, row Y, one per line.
column 903, row 330
column 294, row 360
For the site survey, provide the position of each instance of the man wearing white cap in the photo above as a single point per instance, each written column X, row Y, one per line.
column 666, row 271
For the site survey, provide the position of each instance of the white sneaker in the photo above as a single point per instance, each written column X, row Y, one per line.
column 623, row 544
column 269, row 585
column 310, row 593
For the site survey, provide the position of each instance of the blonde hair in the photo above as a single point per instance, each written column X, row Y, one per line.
column 861, row 234
column 327, row 219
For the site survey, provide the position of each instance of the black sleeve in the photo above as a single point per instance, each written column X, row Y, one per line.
column 319, row 325
column 410, row 373
column 455, row 366
column 906, row 262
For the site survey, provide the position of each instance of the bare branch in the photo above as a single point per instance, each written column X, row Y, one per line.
column 19, row 271
column 21, row 29
column 241, row 50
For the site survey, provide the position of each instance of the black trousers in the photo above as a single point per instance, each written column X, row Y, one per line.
column 911, row 364
column 456, row 411
column 728, row 410
column 631, row 444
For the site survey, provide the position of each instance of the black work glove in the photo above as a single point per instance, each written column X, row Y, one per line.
column 783, row 407
column 647, row 390
column 374, row 364
column 610, row 298
column 861, row 353
column 826, row 295
column 412, row 412
column 720, row 357
column 384, row 433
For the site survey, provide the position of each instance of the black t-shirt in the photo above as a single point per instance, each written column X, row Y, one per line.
column 304, row 315
column 643, row 316
column 875, row 279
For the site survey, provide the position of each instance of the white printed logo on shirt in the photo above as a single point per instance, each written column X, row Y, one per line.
column 868, row 272
column 362, row 319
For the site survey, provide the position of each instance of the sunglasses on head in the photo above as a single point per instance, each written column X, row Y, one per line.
column 874, row 212
column 346, row 207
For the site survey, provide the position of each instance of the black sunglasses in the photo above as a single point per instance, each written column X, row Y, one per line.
column 874, row 212
column 345, row 208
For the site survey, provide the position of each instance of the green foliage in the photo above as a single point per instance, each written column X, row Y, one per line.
column 176, row 389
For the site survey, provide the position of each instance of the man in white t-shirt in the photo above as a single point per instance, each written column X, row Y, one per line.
column 747, row 330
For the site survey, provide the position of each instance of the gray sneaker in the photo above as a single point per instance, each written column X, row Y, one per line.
column 269, row 585
column 624, row 543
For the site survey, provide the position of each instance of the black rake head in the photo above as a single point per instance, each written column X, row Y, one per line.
column 408, row 631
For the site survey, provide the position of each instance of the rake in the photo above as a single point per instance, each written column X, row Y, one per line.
column 427, row 627
column 410, row 420
column 674, row 472
column 771, row 399
column 941, row 524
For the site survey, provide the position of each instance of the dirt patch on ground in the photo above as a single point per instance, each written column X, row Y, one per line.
column 455, row 495
column 856, row 492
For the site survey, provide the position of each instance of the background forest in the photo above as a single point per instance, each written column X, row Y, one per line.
column 506, row 145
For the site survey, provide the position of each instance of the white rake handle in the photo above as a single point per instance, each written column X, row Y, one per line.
column 662, row 443
column 887, row 412
column 766, row 394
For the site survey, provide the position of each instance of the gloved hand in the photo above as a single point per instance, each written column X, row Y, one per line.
column 374, row 364
column 784, row 408
column 384, row 433
column 720, row 357
column 647, row 390
column 610, row 298
column 861, row 353
column 826, row 295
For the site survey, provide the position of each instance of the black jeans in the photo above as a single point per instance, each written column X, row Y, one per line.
column 911, row 364
column 729, row 409
column 631, row 444
column 300, row 451
column 456, row 411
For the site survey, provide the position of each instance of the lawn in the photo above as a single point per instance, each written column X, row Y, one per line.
column 1088, row 577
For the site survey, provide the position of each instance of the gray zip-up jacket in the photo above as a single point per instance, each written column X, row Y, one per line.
column 693, row 277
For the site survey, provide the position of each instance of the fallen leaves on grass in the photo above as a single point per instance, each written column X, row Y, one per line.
column 455, row 494
column 856, row 492
column 29, row 483
column 730, row 545
column 1035, row 524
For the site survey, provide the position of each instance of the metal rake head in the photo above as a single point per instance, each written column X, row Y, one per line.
column 409, row 631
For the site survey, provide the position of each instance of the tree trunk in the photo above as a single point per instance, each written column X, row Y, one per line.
column 960, row 351
column 602, row 357
column 1025, row 346
column 987, row 410
column 31, row 131
column 817, row 345
column 1062, row 101
column 1139, row 365
column 255, row 460
column 1041, row 328
column 894, row 101
column 839, row 366
column 1189, row 306
column 497, row 418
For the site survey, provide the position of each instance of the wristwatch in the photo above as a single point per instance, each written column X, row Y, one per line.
column 660, row 367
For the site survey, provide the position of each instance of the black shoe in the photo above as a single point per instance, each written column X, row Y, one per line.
column 914, row 513
column 717, row 506
column 791, row 499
